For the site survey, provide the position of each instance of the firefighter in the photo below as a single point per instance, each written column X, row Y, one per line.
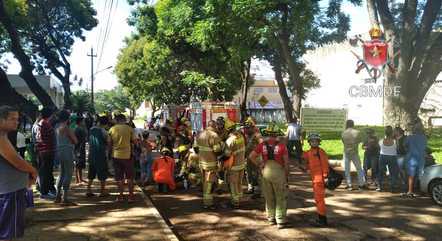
column 220, row 129
column 252, row 138
column 190, row 171
column 235, row 149
column 317, row 164
column 275, row 169
column 209, row 145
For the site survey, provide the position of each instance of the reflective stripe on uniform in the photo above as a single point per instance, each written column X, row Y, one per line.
column 205, row 148
column 238, row 167
column 208, row 165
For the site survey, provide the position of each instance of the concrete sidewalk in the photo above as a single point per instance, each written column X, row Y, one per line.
column 96, row 219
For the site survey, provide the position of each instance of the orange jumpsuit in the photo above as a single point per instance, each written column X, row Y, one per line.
column 318, row 165
column 163, row 169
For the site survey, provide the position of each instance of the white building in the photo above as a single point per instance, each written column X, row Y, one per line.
column 341, row 87
column 50, row 85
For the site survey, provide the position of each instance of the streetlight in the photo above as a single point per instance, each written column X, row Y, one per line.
column 92, row 84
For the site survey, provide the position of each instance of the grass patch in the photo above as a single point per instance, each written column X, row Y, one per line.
column 332, row 144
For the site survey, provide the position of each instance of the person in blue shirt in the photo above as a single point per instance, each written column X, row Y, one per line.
column 416, row 145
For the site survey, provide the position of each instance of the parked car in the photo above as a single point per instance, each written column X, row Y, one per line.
column 431, row 182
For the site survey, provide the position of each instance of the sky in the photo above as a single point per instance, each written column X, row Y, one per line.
column 106, row 79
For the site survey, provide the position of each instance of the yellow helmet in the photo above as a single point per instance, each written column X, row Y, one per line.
column 249, row 122
column 271, row 130
column 182, row 148
column 229, row 125
column 375, row 32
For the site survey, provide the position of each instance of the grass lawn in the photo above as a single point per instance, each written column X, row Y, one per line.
column 332, row 144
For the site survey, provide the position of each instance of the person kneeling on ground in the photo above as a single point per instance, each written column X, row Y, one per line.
column 163, row 169
column 98, row 146
column 317, row 163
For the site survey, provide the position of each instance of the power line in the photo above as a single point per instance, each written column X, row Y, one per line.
column 100, row 35
column 108, row 28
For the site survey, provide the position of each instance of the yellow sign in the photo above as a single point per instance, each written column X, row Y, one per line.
column 263, row 101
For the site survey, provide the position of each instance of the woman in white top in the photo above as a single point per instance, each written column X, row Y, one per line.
column 388, row 157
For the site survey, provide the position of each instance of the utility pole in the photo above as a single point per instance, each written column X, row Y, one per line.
column 92, row 77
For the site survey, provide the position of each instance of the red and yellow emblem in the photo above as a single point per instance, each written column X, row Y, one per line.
column 375, row 52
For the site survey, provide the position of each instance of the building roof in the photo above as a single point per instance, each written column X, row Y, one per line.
column 45, row 81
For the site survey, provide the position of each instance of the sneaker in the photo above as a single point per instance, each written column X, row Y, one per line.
column 48, row 196
column 378, row 189
column 249, row 191
column 68, row 202
column 281, row 225
column 349, row 188
column 272, row 221
column 411, row 195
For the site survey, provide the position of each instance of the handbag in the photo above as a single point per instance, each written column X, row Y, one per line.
column 333, row 179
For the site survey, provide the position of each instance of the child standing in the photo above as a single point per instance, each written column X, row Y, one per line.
column 163, row 169
column 317, row 163
column 146, row 159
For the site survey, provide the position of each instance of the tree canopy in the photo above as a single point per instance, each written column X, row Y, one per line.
column 204, row 48
column 41, row 33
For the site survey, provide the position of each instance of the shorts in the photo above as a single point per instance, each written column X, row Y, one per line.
column 94, row 172
column 80, row 163
column 124, row 169
column 12, row 214
column 412, row 167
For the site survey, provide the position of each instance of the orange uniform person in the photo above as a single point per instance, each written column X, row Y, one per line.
column 163, row 169
column 317, row 163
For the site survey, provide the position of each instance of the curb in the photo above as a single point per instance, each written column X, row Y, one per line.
column 164, row 227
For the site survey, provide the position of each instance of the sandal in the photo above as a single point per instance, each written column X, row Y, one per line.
column 120, row 198
column 105, row 194
column 131, row 199
column 90, row 194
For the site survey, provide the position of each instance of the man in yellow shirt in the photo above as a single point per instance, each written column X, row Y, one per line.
column 121, row 137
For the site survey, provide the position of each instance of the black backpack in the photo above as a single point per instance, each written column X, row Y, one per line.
column 333, row 179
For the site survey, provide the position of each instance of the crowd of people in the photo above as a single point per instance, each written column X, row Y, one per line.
column 218, row 159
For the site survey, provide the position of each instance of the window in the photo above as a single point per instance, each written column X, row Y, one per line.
column 272, row 90
column 258, row 90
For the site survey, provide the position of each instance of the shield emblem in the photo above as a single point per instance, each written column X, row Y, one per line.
column 375, row 52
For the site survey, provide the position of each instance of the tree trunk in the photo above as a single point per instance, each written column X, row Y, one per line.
column 8, row 96
column 19, row 53
column 294, row 73
column 245, row 76
column 288, row 106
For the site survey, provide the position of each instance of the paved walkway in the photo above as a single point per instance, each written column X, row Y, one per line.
column 96, row 219
column 356, row 215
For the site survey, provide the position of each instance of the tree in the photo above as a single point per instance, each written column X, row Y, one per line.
column 48, row 30
column 80, row 101
column 198, row 55
column 17, row 49
column 288, row 29
column 51, row 28
column 411, row 27
column 115, row 100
